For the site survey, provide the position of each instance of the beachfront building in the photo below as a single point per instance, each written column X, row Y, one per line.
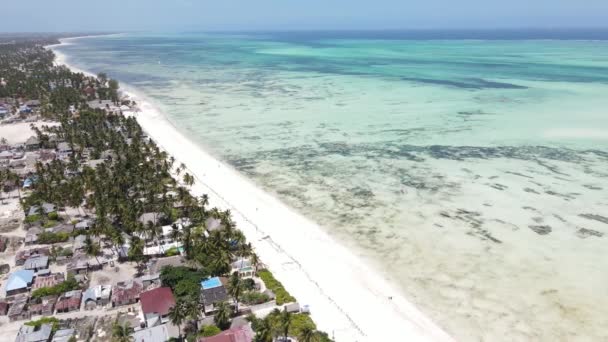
column 156, row 304
column 243, row 267
column 213, row 291
column 19, row 282
column 240, row 334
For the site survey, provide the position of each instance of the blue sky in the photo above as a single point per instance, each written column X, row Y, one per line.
column 179, row 15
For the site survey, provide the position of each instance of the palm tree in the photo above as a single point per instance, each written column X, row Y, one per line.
column 177, row 315
column 263, row 332
column 308, row 334
column 285, row 322
column 91, row 248
column 193, row 311
column 222, row 315
column 235, row 287
column 255, row 261
column 121, row 333
column 188, row 179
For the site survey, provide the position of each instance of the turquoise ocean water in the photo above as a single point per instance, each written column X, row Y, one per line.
column 471, row 172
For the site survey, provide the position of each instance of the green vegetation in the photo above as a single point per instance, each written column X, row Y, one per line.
column 185, row 282
column 253, row 298
column 282, row 296
column 57, row 251
column 49, row 224
column 210, row 330
column 50, row 238
column 33, row 218
column 137, row 179
column 45, row 320
column 68, row 285
column 172, row 251
column 283, row 324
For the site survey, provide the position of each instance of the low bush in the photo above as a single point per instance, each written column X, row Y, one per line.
column 50, row 223
column 32, row 218
column 172, row 251
column 210, row 330
column 49, row 238
column 282, row 296
column 253, row 298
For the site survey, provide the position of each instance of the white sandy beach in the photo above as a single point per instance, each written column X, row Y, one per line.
column 346, row 297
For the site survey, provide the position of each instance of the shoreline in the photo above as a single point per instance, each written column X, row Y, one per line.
column 347, row 298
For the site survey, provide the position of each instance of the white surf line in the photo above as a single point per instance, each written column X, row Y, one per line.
column 347, row 299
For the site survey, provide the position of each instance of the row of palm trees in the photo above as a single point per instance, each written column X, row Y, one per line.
column 134, row 178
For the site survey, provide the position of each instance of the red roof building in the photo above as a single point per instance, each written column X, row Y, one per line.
column 157, row 302
column 47, row 281
column 240, row 334
column 69, row 301
column 126, row 293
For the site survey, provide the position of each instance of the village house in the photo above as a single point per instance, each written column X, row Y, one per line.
column 80, row 243
column 46, row 209
column 18, row 309
column 156, row 304
column 3, row 112
column 6, row 155
column 64, row 150
column 44, row 306
column 77, row 267
column 213, row 291
column 36, row 263
column 29, row 333
column 159, row 333
column 63, row 335
column 83, row 225
column 47, row 281
column 156, row 265
column 19, row 282
column 243, row 267
column 3, row 307
column 240, row 334
column 150, row 281
column 97, row 296
column 127, row 292
column 32, row 143
column 23, row 255
column 4, row 268
column 69, row 301
column 3, row 243
column 31, row 237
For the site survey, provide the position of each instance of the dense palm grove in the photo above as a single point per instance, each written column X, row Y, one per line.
column 133, row 178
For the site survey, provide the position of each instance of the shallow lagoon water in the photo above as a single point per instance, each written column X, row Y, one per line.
column 472, row 173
